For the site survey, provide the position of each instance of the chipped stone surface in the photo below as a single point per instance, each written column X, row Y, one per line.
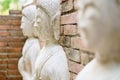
column 67, row 6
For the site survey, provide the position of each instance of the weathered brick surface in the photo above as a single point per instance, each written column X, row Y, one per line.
column 69, row 18
column 12, row 61
column 70, row 29
column 3, row 61
column 3, row 75
column 77, row 43
column 11, row 43
column 14, row 55
column 65, row 41
column 73, row 54
column 14, row 78
column 13, row 72
column 70, row 39
column 4, row 27
column 4, row 33
column 75, row 67
column 3, row 44
column 67, row 6
column 72, row 76
column 84, row 58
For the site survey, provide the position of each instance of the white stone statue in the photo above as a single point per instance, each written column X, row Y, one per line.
column 51, row 64
column 99, row 21
column 31, row 49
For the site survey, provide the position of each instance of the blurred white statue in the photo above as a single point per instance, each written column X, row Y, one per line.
column 51, row 64
column 99, row 21
column 25, row 2
column 31, row 49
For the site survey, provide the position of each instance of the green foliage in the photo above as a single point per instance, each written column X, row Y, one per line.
column 6, row 4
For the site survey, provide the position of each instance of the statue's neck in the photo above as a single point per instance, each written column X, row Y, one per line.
column 50, row 43
column 108, row 58
column 108, row 51
column 31, row 37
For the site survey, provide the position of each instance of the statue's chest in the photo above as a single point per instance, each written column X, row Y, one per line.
column 99, row 73
column 102, row 76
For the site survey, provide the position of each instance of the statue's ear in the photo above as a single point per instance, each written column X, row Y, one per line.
column 56, row 26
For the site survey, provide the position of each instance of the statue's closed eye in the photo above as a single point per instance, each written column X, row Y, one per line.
column 88, row 5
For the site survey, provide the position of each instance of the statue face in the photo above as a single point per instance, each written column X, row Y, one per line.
column 26, row 27
column 97, row 20
column 41, row 25
column 38, row 23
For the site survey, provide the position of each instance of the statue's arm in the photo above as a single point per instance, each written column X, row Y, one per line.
column 21, row 68
column 61, row 72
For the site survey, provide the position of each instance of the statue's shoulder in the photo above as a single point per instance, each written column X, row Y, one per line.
column 87, row 71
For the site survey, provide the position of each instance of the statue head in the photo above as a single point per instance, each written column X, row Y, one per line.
column 99, row 21
column 25, row 3
column 47, row 22
column 27, row 22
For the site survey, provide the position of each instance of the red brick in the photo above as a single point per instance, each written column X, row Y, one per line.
column 12, row 66
column 3, row 56
column 3, row 44
column 14, row 55
column 5, row 22
column 61, row 30
column 3, row 61
column 3, row 67
column 67, row 6
column 13, row 61
column 11, row 43
column 13, row 49
column 15, row 28
column 14, row 78
column 75, row 67
column 72, row 76
column 4, row 33
column 3, row 75
column 84, row 58
column 10, row 49
column 3, row 50
column 16, row 33
column 4, row 27
column 63, row 0
column 77, row 43
column 70, row 29
column 13, row 72
column 12, row 39
column 15, row 12
column 69, row 18
column 15, row 44
column 16, row 22
column 77, row 4
column 65, row 41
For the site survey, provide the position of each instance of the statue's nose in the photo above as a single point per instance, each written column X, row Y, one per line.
column 35, row 24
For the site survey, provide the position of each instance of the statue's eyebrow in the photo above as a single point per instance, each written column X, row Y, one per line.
column 24, row 15
column 43, row 9
column 90, row 4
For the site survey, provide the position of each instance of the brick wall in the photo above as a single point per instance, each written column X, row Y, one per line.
column 77, row 54
column 11, row 43
column 12, row 40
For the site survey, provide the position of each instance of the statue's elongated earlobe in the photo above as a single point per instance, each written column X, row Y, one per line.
column 56, row 26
